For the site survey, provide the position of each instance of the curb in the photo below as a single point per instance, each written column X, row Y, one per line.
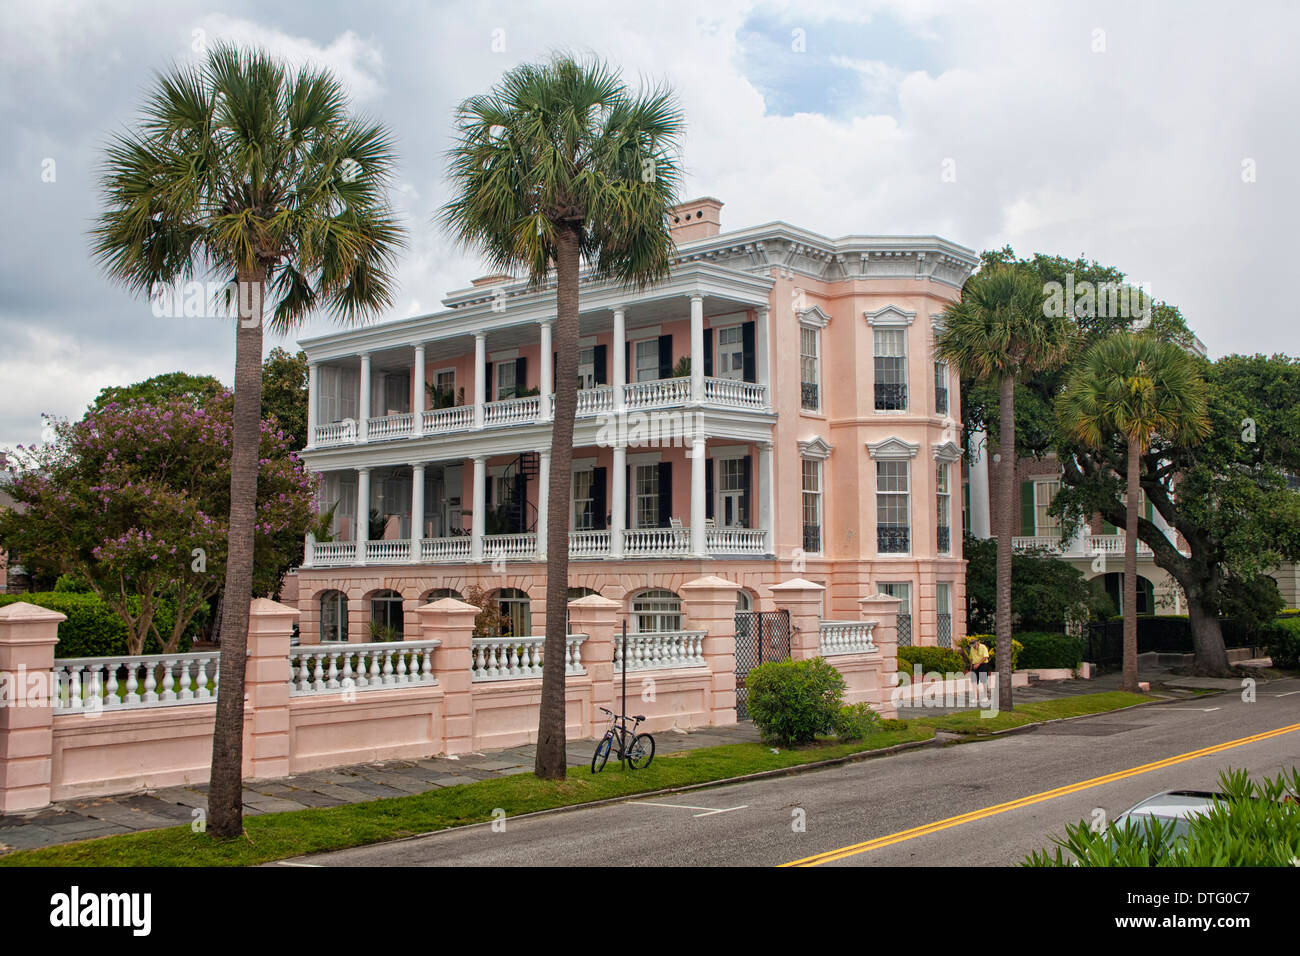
column 1030, row 728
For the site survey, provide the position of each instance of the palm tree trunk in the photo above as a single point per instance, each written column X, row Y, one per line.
column 550, row 762
column 1007, row 527
column 1130, row 678
column 225, row 790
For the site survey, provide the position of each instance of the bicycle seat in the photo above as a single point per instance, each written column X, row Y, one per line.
column 638, row 716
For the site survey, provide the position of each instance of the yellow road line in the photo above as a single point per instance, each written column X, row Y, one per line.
column 843, row 852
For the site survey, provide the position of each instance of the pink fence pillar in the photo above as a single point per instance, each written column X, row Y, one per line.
column 266, row 683
column 598, row 618
column 27, row 638
column 803, row 599
column 883, row 610
column 709, row 605
column 452, row 622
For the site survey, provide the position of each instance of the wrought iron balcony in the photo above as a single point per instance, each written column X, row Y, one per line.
column 892, row 539
column 891, row 398
column 809, row 396
column 812, row 538
column 944, row 541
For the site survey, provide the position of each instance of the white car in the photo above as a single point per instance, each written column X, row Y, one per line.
column 1171, row 806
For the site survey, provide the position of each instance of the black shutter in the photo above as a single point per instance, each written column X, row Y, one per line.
column 487, row 381
column 708, row 487
column 487, row 490
column 665, row 356
column 748, row 355
column 708, row 351
column 665, row 492
column 627, row 499
column 555, row 370
column 599, row 359
column 746, row 483
column 629, row 373
column 521, row 374
column 598, row 497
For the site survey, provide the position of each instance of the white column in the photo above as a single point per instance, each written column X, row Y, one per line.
column 762, row 329
column 618, row 501
column 697, row 497
column 620, row 362
column 697, row 348
column 480, row 386
column 767, row 495
column 363, row 427
column 417, row 510
column 547, row 385
column 309, row 550
column 363, row 513
column 418, row 399
column 479, row 521
column 543, row 498
column 313, row 402
column 980, row 525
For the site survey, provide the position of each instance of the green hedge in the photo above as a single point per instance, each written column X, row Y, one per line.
column 1282, row 639
column 943, row 660
column 1045, row 650
column 794, row 701
column 93, row 629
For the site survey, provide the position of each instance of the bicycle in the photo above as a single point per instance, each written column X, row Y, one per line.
column 636, row 749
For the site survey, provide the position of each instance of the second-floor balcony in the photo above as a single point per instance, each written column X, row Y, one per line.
column 1090, row 545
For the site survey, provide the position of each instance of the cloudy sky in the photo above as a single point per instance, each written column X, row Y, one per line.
column 1156, row 137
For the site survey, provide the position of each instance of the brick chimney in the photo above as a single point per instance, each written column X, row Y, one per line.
column 696, row 219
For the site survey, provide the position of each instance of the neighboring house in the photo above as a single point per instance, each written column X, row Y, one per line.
column 814, row 436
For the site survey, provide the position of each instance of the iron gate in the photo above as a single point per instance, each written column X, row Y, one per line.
column 760, row 636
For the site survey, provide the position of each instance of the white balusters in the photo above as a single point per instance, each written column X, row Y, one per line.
column 847, row 637
column 656, row 542
column 725, row 391
column 460, row 418
column 453, row 549
column 87, row 684
column 735, row 540
column 660, row 650
column 518, row 658
column 335, row 667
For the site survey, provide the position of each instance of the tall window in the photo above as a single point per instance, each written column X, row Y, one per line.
column 647, row 360
column 903, row 591
column 505, row 379
column 731, row 493
column 386, row 616
column 941, row 388
column 890, row 369
column 1044, row 523
column 812, row 505
column 444, row 388
column 893, row 526
column 943, row 605
column 657, row 610
column 943, row 497
column 586, row 368
column 809, row 368
column 731, row 353
column 584, row 515
column 517, row 609
column 645, row 501
column 333, row 617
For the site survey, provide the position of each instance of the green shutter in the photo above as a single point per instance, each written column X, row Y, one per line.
column 1027, row 524
column 1147, row 511
column 1108, row 528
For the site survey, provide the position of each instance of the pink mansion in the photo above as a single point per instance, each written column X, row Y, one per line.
column 773, row 410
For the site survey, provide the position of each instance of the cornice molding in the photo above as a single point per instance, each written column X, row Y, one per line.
column 888, row 449
column 816, row 447
column 946, row 451
column 891, row 316
column 813, row 316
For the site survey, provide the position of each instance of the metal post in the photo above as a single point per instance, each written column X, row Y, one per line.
column 625, row 669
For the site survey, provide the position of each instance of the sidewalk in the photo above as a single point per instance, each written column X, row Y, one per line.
column 173, row 806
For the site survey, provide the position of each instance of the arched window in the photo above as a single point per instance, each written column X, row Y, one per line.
column 518, row 611
column 386, row 616
column 656, row 610
column 333, row 617
column 574, row 594
column 743, row 601
column 437, row 594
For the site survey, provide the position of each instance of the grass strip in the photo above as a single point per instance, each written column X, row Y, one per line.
column 278, row 836
column 971, row 723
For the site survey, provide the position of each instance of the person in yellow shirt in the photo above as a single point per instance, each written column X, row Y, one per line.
column 979, row 661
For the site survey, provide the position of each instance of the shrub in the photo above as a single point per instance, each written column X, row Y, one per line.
column 93, row 629
column 794, row 701
column 857, row 722
column 943, row 660
column 1050, row 650
column 991, row 642
column 1282, row 639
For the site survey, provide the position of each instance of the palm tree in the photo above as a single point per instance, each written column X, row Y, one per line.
column 1000, row 331
column 1133, row 387
column 556, row 165
column 242, row 170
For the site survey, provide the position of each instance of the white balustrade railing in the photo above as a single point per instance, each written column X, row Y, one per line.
column 341, row 667
column 92, row 684
column 510, row 545
column 1046, row 542
column 332, row 554
column 336, row 433
column 593, row 401
column 847, row 637
column 460, row 418
column 588, row 544
column 512, row 411
column 735, row 540
column 663, row 391
column 1114, row 544
column 660, row 650
column 445, row 549
column 656, row 542
column 518, row 658
column 390, row 426
column 725, row 391
column 388, row 551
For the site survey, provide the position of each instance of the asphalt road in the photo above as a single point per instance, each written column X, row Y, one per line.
column 877, row 802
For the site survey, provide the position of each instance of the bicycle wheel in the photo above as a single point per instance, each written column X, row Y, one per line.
column 641, row 752
column 601, row 755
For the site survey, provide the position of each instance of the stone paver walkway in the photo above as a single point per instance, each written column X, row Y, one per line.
column 153, row 809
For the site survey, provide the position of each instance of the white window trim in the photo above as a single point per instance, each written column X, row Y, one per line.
column 816, row 328
column 891, row 316
column 911, row 528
